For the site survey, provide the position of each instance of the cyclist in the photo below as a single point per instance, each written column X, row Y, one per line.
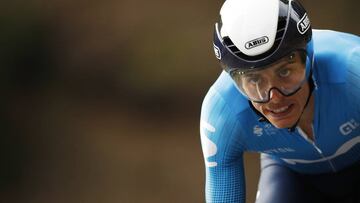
column 290, row 93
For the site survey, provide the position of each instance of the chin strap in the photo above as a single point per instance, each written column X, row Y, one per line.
column 311, row 89
column 292, row 128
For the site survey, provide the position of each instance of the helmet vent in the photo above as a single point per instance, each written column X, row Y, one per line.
column 229, row 44
column 280, row 31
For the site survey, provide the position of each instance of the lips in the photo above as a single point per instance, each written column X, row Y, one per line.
column 280, row 111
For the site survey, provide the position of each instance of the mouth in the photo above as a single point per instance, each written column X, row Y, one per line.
column 280, row 112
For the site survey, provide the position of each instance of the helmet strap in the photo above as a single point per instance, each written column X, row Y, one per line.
column 311, row 89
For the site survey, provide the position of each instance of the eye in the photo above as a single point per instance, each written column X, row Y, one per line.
column 284, row 72
column 253, row 80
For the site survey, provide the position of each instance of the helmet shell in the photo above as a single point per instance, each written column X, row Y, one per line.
column 256, row 33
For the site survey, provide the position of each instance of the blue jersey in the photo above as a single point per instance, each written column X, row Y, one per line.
column 229, row 126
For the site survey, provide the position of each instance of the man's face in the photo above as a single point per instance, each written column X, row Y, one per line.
column 283, row 111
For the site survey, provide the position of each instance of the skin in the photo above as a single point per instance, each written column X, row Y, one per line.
column 296, row 105
column 295, row 108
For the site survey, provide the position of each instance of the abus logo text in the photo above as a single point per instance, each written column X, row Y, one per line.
column 304, row 24
column 217, row 52
column 256, row 42
column 348, row 127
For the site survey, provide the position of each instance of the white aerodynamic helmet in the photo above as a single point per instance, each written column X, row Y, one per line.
column 253, row 34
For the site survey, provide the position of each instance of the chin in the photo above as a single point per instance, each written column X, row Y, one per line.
column 282, row 123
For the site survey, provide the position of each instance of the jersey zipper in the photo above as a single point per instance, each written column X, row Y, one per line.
column 312, row 142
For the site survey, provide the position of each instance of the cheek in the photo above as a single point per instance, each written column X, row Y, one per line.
column 258, row 107
column 302, row 98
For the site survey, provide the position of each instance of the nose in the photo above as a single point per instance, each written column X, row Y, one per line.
column 276, row 95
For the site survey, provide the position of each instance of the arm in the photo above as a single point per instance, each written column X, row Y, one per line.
column 353, row 68
column 225, row 184
column 222, row 152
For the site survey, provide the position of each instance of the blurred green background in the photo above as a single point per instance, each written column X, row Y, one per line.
column 101, row 99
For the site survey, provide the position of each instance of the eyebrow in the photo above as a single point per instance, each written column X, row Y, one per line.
column 282, row 66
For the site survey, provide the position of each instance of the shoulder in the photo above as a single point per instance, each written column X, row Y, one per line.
column 339, row 38
column 336, row 53
column 222, row 114
column 327, row 40
column 223, row 102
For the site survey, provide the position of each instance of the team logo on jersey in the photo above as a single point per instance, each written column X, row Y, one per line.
column 257, row 130
column 208, row 146
column 256, row 42
column 348, row 127
column 269, row 129
column 217, row 52
column 304, row 24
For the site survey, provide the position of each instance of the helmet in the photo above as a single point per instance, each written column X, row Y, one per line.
column 253, row 34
